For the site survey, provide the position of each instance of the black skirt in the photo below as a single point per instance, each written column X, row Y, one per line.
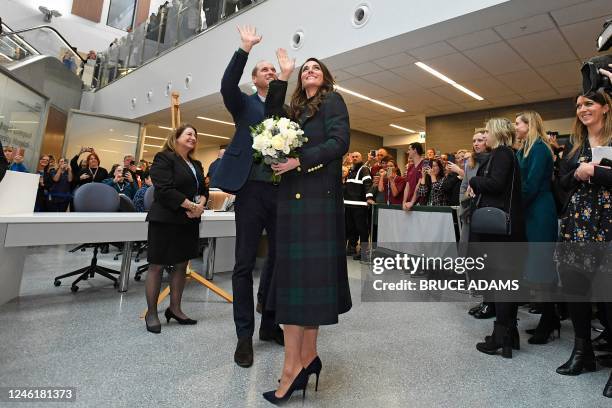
column 170, row 244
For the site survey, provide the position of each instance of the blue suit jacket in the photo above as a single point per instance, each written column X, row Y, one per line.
column 247, row 110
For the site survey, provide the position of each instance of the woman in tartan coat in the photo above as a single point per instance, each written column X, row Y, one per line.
column 310, row 282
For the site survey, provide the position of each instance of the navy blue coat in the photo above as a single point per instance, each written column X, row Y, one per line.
column 247, row 110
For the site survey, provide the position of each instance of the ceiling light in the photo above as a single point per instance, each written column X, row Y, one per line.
column 367, row 98
column 135, row 137
column 446, row 79
column 155, row 137
column 124, row 141
column 23, row 121
column 150, row 145
column 219, row 137
column 215, row 120
column 165, row 127
column 403, row 128
column 107, row 151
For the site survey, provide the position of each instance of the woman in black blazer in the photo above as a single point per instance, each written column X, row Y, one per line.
column 498, row 184
column 174, row 218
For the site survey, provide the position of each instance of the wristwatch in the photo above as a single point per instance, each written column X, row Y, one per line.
column 193, row 206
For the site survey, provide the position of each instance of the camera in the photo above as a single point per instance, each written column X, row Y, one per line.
column 592, row 80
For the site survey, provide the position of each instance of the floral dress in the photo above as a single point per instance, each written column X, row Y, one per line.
column 589, row 214
column 583, row 255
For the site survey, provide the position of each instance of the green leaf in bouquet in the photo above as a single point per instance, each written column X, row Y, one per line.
column 268, row 160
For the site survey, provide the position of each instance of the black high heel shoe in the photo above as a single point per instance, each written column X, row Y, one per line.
column 299, row 383
column 582, row 359
column 169, row 315
column 315, row 367
column 153, row 328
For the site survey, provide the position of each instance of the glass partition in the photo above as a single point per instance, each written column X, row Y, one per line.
column 173, row 23
column 22, row 118
column 111, row 138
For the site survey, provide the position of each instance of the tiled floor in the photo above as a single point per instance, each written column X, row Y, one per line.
column 380, row 355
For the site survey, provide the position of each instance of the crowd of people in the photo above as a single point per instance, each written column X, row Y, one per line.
column 550, row 192
column 59, row 178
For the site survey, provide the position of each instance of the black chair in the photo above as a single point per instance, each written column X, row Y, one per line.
column 148, row 202
column 93, row 197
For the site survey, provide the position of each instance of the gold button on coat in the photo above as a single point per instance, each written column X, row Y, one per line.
column 298, row 196
column 299, row 169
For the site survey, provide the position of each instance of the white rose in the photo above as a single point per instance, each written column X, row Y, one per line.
column 267, row 135
column 283, row 123
column 268, row 123
column 278, row 142
column 259, row 143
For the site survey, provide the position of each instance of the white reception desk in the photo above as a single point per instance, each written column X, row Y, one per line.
column 18, row 231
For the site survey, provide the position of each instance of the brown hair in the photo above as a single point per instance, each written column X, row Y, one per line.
column 92, row 154
column 580, row 133
column 300, row 102
column 170, row 143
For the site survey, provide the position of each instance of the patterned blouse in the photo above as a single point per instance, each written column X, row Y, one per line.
column 436, row 198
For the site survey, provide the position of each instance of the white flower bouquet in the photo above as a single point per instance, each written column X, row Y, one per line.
column 275, row 140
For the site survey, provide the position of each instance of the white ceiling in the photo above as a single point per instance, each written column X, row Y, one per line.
column 512, row 61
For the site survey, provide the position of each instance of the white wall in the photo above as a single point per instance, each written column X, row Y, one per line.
column 81, row 33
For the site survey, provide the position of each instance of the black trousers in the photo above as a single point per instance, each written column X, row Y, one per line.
column 356, row 224
column 255, row 208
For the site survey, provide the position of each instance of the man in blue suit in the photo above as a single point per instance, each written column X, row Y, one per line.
column 255, row 203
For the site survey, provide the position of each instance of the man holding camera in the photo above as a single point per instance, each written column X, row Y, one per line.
column 357, row 196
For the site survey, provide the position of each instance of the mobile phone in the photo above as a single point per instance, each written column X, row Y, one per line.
column 605, row 162
column 373, row 153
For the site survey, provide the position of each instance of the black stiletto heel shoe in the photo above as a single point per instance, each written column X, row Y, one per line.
column 169, row 315
column 153, row 328
column 299, row 383
column 315, row 367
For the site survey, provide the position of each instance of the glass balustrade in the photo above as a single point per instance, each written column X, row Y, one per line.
column 172, row 24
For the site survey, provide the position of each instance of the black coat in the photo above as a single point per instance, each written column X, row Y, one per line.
column 451, row 185
column 493, row 182
column 310, row 280
column 174, row 182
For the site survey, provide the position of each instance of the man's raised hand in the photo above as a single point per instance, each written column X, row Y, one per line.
column 248, row 37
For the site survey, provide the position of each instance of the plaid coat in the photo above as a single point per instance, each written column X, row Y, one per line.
column 310, row 281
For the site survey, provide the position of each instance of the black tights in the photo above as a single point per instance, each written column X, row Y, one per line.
column 153, row 285
column 505, row 313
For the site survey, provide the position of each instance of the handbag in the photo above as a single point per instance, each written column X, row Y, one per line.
column 492, row 220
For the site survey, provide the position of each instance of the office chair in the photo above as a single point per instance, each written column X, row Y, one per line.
column 92, row 197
